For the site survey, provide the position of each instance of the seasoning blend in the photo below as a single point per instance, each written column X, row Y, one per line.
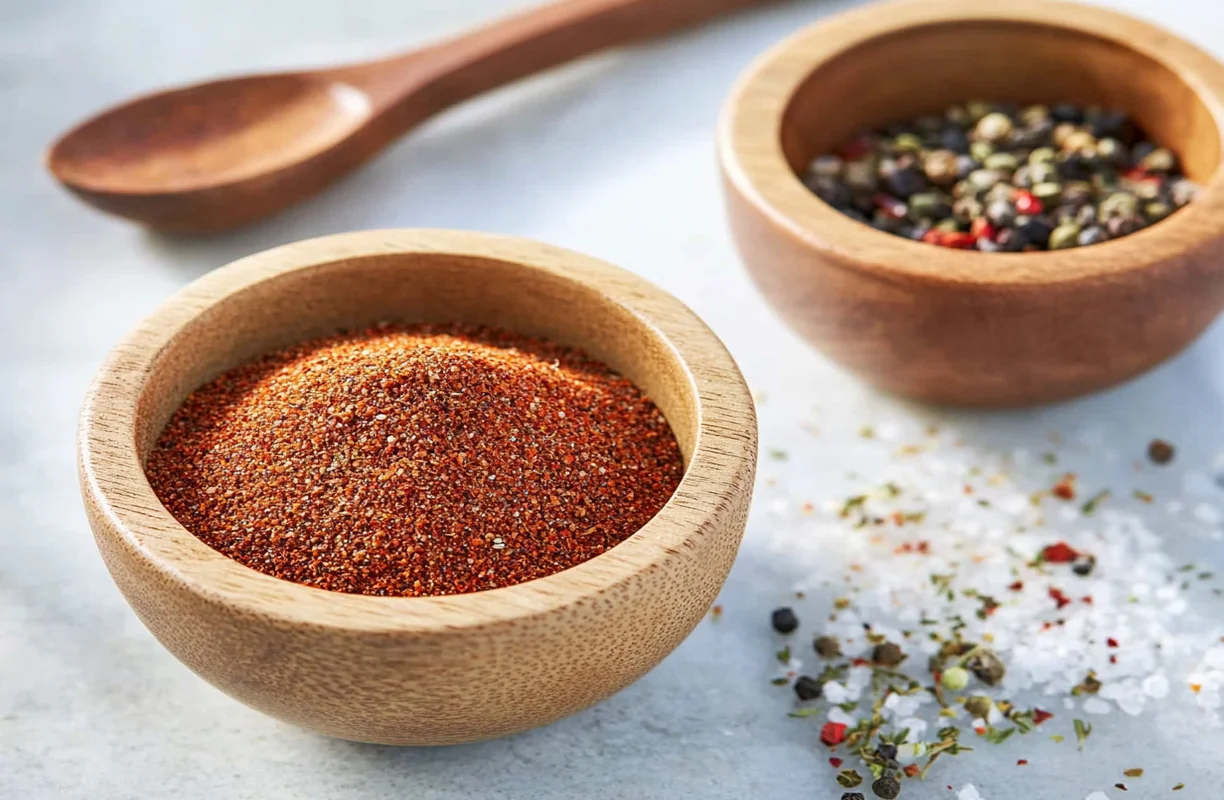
column 416, row 460
column 996, row 177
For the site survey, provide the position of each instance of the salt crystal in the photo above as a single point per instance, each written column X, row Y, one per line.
column 968, row 792
column 837, row 715
column 1214, row 657
column 1095, row 705
column 835, row 693
column 1207, row 513
column 1156, row 686
column 1097, row 796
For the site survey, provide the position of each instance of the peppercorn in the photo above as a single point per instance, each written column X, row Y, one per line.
column 1160, row 452
column 887, row 654
column 1083, row 565
column 986, row 666
column 807, row 688
column 954, row 679
column 827, row 647
column 887, row 751
column 886, row 787
column 852, row 796
column 979, row 706
column 1064, row 236
column 784, row 620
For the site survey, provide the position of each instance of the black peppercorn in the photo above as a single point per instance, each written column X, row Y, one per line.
column 1083, row 566
column 852, row 796
column 887, row 751
column 1036, row 232
column 784, row 620
column 886, row 787
column 904, row 181
column 1066, row 112
column 807, row 688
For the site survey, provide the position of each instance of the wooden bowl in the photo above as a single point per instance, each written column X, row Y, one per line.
column 965, row 327
column 432, row 670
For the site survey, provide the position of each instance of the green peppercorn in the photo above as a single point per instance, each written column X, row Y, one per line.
column 1079, row 141
column 1049, row 192
column 1003, row 162
column 976, row 109
column 887, row 654
column 827, row 647
column 1042, row 155
column 954, row 679
column 979, row 706
column 948, row 225
column 908, row 143
column 1111, row 151
column 1118, row 204
column 1034, row 116
column 886, row 787
column 1156, row 211
column 941, row 167
column 1064, row 236
column 980, row 151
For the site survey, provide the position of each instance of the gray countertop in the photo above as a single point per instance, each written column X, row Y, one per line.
column 613, row 157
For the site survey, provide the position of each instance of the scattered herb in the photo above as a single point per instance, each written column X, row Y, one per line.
column 779, row 455
column 784, row 655
column 1095, row 501
column 849, row 778
column 1082, row 731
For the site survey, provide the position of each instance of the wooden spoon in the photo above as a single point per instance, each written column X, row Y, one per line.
column 226, row 153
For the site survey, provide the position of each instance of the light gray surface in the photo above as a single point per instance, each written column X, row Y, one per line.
column 613, row 157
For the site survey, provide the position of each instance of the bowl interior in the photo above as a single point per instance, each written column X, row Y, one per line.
column 926, row 68
column 419, row 287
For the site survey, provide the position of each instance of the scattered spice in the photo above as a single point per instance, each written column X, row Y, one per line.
column 807, row 687
column 886, row 787
column 827, row 647
column 1178, row 787
column 1082, row 731
column 1022, row 762
column 887, row 654
column 1137, row 772
column 784, row 620
column 1160, row 452
column 833, row 733
column 852, row 796
column 716, row 613
column 416, row 460
column 996, row 177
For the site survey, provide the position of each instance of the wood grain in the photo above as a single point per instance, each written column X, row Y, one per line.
column 226, row 153
column 964, row 327
column 421, row 670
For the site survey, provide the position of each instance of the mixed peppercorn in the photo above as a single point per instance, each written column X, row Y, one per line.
column 998, row 177
column 420, row 460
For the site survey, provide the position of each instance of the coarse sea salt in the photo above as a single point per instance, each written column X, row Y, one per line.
column 947, row 538
column 968, row 792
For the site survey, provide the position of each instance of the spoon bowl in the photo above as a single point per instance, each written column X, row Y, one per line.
column 208, row 156
column 421, row 670
column 966, row 327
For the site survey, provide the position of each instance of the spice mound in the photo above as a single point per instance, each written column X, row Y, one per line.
column 997, row 177
column 416, row 460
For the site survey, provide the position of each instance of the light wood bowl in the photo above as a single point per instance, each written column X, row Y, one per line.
column 438, row 670
column 964, row 327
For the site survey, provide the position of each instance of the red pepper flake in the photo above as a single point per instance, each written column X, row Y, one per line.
column 1026, row 203
column 968, row 489
column 911, row 770
column 1018, row 586
column 391, row 461
column 861, row 662
column 855, row 148
column 980, row 730
column 1065, row 488
column 1059, row 553
column 833, row 733
column 1058, row 597
column 1040, row 716
column 958, row 240
column 1112, row 642
column 931, row 237
column 1022, row 762
column 924, row 547
column 1045, row 626
column 981, row 228
column 1120, row 786
column 1113, row 659
column 835, row 763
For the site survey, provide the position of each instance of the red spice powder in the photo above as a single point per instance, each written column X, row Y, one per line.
column 416, row 460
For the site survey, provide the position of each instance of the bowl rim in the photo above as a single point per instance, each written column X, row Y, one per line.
column 749, row 147
column 718, row 475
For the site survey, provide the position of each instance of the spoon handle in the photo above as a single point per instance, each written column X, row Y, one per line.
column 426, row 81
